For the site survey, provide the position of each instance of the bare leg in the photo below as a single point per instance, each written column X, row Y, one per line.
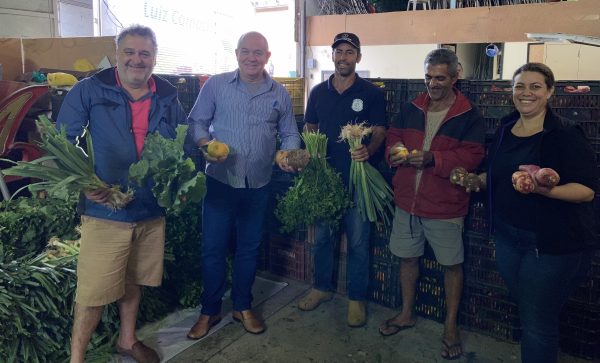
column 453, row 284
column 128, row 309
column 84, row 324
column 409, row 274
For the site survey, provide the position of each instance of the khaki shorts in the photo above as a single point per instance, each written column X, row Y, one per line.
column 409, row 234
column 115, row 253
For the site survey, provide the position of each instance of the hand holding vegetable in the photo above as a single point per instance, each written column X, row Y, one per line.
column 533, row 179
column 398, row 154
column 470, row 181
column 292, row 160
column 420, row 158
column 215, row 151
column 100, row 196
column 361, row 153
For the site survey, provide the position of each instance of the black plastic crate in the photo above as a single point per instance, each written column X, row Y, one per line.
column 574, row 88
column 496, row 328
column 384, row 287
column 478, row 87
column 394, row 91
column 414, row 87
column 430, row 299
column 587, row 292
column 288, row 257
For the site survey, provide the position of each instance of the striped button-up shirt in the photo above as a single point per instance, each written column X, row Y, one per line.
column 249, row 122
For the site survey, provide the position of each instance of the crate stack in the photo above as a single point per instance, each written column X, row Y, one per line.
column 285, row 254
column 494, row 101
column 394, row 91
column 295, row 88
column 486, row 306
column 430, row 301
column 188, row 87
column 384, row 272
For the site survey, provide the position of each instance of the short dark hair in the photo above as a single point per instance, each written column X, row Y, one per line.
column 540, row 68
column 443, row 56
column 139, row 30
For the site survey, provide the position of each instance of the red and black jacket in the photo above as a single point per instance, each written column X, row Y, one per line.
column 459, row 141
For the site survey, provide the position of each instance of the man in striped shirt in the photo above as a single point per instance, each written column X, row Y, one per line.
column 245, row 109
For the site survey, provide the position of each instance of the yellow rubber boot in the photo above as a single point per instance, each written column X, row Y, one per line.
column 357, row 313
column 313, row 299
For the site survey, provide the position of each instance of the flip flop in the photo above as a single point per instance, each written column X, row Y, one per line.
column 396, row 328
column 447, row 348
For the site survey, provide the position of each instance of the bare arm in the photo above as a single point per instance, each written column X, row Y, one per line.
column 570, row 192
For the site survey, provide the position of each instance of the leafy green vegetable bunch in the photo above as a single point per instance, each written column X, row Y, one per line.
column 26, row 224
column 175, row 179
column 318, row 193
column 66, row 168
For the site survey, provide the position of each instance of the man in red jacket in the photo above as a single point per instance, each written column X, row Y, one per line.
column 441, row 130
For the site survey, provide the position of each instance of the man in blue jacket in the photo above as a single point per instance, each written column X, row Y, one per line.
column 121, row 250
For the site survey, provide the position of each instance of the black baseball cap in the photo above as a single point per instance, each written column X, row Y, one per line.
column 349, row 38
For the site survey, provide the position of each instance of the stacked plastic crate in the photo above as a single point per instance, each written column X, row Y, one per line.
column 384, row 273
column 188, row 87
column 394, row 91
column 494, row 101
column 295, row 88
column 285, row 254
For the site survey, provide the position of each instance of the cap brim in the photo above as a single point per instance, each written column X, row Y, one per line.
column 338, row 42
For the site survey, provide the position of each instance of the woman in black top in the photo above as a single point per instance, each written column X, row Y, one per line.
column 542, row 238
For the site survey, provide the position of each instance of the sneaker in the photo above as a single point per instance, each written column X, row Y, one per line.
column 313, row 299
column 357, row 313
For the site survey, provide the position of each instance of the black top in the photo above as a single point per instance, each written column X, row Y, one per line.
column 560, row 227
column 514, row 207
column 362, row 102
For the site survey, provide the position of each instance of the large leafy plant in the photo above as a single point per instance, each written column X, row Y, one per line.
column 174, row 177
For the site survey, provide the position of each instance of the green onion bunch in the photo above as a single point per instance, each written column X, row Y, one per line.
column 374, row 195
column 66, row 168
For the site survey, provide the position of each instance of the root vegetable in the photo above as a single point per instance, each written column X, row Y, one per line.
column 545, row 177
column 523, row 182
column 217, row 149
column 298, row 158
column 457, row 175
column 281, row 156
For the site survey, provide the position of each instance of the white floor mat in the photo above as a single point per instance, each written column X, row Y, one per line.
column 168, row 336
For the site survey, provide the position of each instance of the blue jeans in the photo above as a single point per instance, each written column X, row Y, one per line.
column 227, row 209
column 357, row 268
column 541, row 285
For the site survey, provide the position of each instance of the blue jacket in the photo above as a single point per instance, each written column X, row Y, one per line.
column 101, row 103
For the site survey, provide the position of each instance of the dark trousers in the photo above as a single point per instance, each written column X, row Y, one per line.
column 541, row 285
column 227, row 209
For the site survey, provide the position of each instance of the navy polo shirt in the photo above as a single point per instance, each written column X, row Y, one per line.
column 362, row 102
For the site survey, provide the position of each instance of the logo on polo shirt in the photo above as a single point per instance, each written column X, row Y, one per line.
column 357, row 105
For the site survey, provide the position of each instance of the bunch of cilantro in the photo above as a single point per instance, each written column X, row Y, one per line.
column 176, row 182
column 318, row 193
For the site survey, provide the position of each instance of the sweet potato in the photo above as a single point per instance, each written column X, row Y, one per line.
column 523, row 182
column 545, row 177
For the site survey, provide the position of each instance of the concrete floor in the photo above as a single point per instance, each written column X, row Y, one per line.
column 323, row 336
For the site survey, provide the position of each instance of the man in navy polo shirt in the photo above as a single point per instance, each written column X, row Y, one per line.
column 344, row 98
